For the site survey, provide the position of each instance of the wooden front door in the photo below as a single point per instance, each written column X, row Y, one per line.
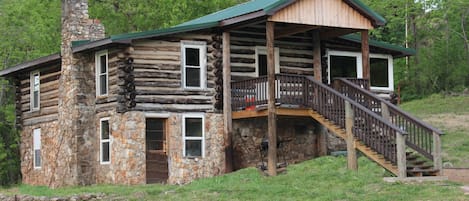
column 156, row 157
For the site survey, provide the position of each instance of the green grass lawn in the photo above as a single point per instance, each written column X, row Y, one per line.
column 325, row 178
column 451, row 115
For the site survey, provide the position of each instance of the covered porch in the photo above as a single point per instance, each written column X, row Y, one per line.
column 266, row 46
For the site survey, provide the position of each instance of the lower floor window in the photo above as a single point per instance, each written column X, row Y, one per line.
column 193, row 134
column 37, row 147
column 105, row 141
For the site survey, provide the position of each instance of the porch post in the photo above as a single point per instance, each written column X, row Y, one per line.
column 437, row 161
column 365, row 55
column 227, row 118
column 317, row 68
column 272, row 118
column 352, row 163
column 317, row 56
column 401, row 155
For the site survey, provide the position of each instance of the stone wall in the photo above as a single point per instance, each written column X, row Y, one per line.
column 182, row 169
column 299, row 137
column 49, row 144
column 127, row 165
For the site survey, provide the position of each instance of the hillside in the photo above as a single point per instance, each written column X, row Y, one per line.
column 451, row 115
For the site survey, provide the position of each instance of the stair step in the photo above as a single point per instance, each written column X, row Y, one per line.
column 421, row 167
column 411, row 157
column 416, row 162
column 420, row 173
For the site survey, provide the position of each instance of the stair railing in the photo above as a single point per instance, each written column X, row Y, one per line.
column 422, row 137
column 371, row 129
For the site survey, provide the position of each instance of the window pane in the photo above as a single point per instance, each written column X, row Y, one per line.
column 379, row 76
column 343, row 66
column 36, row 99
column 194, row 127
column 192, row 57
column 193, row 147
column 36, row 82
column 262, row 61
column 154, row 134
column 105, row 130
column 193, row 77
column 102, row 84
column 105, row 153
column 103, row 62
column 37, row 158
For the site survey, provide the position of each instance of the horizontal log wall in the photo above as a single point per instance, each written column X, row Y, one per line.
column 49, row 97
column 296, row 52
column 157, row 75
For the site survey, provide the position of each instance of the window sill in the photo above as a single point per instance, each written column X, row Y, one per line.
column 195, row 158
column 196, row 89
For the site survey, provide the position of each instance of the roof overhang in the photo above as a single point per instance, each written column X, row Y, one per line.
column 30, row 65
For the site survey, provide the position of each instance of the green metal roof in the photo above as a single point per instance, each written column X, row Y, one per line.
column 238, row 10
column 380, row 44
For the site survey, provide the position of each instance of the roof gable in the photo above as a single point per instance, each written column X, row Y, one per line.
column 330, row 13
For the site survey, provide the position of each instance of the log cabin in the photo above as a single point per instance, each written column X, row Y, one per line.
column 209, row 96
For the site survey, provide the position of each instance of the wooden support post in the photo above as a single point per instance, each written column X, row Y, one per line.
column 351, row 151
column 437, row 161
column 385, row 111
column 227, row 118
column 317, row 56
column 272, row 118
column 365, row 54
column 322, row 140
column 401, row 156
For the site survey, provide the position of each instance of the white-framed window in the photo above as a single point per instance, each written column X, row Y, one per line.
column 194, row 64
column 193, row 133
column 37, row 162
column 261, row 61
column 105, row 141
column 349, row 64
column 102, row 73
column 35, row 92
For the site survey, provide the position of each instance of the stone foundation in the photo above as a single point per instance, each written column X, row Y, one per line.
column 299, row 139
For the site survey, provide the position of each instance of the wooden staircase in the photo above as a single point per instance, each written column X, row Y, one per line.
column 396, row 141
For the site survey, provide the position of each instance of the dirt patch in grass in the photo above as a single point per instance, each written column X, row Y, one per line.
column 449, row 121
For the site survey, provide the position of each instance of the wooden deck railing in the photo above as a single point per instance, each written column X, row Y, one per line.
column 370, row 128
column 422, row 137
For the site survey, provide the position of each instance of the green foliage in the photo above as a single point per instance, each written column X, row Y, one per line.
column 325, row 178
column 9, row 147
column 142, row 15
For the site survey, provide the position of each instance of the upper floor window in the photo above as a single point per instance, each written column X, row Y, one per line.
column 102, row 73
column 194, row 64
column 35, row 91
column 261, row 61
column 349, row 64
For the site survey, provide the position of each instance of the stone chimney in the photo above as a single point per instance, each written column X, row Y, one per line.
column 75, row 159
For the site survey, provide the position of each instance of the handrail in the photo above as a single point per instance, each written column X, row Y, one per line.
column 370, row 128
column 420, row 136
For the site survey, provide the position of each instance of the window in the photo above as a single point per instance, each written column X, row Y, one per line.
column 348, row 64
column 193, row 134
column 155, row 136
column 194, row 69
column 37, row 148
column 261, row 61
column 102, row 73
column 105, row 134
column 35, row 91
